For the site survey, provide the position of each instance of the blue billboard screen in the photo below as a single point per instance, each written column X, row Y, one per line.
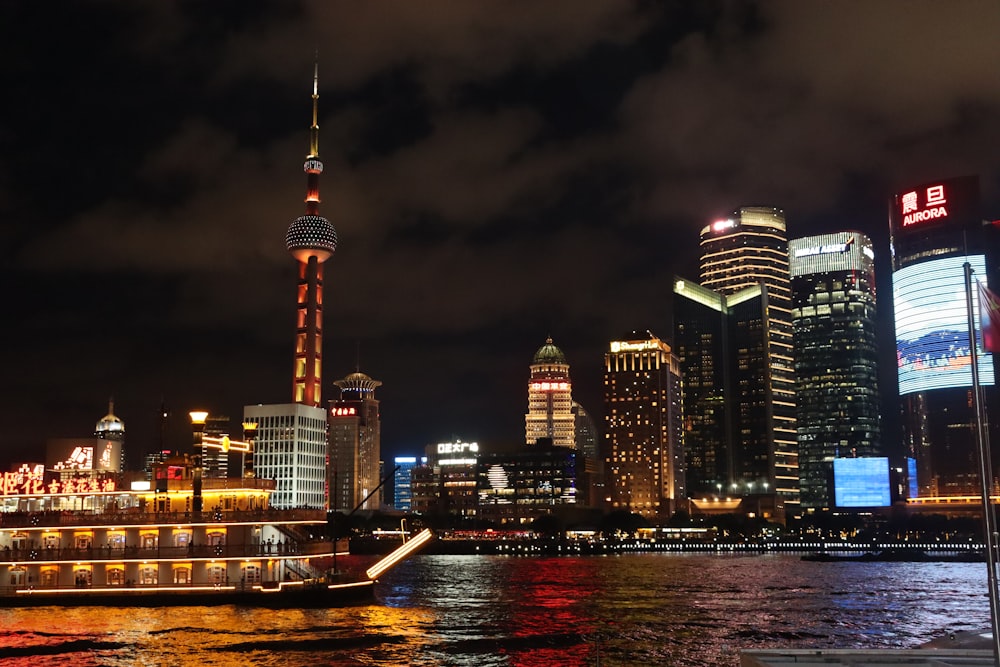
column 861, row 482
column 932, row 327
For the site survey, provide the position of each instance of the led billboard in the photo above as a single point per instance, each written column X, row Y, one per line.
column 932, row 330
column 862, row 482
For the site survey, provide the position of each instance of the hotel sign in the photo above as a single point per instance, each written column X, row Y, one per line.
column 625, row 346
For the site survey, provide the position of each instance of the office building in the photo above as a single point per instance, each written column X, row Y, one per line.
column 447, row 483
column 403, row 482
column 643, row 448
column 747, row 251
column 836, row 361
column 550, row 399
column 290, row 448
column 935, row 228
column 517, row 487
column 355, row 445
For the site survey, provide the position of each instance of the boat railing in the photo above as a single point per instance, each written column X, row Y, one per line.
column 135, row 516
column 194, row 551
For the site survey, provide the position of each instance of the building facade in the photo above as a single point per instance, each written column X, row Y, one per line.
column 935, row 228
column 550, row 399
column 836, row 358
column 643, row 444
column 402, row 480
column 517, row 487
column 354, row 445
column 290, row 448
column 746, row 251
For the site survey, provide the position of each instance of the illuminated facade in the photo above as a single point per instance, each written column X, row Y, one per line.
column 290, row 448
column 516, row 488
column 402, row 480
column 550, row 399
column 215, row 460
column 447, row 483
column 643, row 446
column 935, row 228
column 746, row 251
column 110, row 427
column 93, row 538
column 836, row 360
column 311, row 240
column 355, row 444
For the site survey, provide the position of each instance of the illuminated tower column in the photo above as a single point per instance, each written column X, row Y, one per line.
column 311, row 240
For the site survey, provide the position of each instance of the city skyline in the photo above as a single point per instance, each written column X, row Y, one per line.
column 546, row 181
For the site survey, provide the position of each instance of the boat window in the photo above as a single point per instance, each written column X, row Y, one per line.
column 182, row 575
column 116, row 576
column 148, row 575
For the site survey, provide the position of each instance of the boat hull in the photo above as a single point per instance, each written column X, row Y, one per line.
column 284, row 597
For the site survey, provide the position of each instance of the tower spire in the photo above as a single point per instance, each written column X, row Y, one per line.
column 311, row 240
column 314, row 128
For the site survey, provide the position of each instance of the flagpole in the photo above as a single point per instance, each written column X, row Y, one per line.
column 985, row 476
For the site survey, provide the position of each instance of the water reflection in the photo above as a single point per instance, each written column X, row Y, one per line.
column 666, row 609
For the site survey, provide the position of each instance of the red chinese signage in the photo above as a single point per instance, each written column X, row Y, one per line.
column 32, row 483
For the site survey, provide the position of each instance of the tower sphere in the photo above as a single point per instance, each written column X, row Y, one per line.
column 311, row 235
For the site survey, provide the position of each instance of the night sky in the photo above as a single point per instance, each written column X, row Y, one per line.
column 498, row 172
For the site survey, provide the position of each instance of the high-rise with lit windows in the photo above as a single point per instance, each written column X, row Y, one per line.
column 935, row 229
column 355, row 444
column 643, row 448
column 749, row 250
column 550, row 399
column 836, row 360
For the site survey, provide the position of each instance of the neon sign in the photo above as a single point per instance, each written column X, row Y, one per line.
column 550, row 386
column 931, row 208
column 343, row 412
column 26, row 482
column 623, row 346
column 457, row 447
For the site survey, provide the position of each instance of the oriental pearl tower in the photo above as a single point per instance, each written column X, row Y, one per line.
column 311, row 240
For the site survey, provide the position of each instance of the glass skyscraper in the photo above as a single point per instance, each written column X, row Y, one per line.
column 745, row 251
column 836, row 361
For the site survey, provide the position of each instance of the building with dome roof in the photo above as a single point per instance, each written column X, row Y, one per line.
column 110, row 427
column 354, row 444
column 550, row 399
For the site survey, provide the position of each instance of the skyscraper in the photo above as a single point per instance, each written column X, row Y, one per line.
column 355, row 444
column 935, row 228
column 643, row 448
column 112, row 428
column 311, row 240
column 550, row 399
column 291, row 438
column 836, row 361
column 750, row 250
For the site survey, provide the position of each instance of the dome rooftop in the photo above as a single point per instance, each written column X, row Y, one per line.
column 549, row 354
column 311, row 235
column 110, row 422
column 357, row 382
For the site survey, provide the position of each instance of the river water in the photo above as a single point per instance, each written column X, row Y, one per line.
column 634, row 609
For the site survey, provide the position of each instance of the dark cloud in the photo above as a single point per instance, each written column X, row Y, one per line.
column 497, row 172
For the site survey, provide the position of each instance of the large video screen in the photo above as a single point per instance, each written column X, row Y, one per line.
column 861, row 482
column 932, row 327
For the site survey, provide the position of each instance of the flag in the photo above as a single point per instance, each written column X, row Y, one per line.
column 989, row 318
